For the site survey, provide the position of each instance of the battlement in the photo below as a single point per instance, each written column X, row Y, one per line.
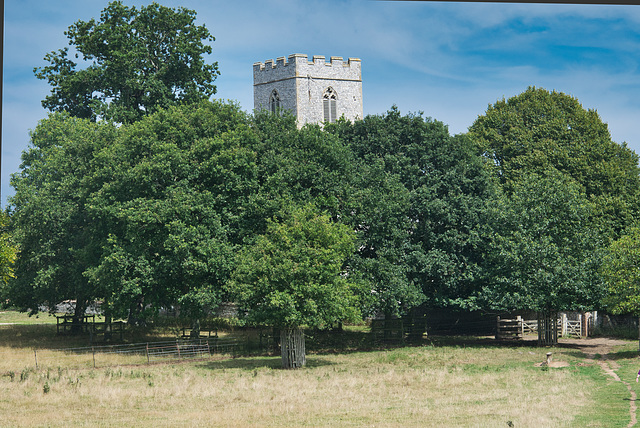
column 298, row 65
column 315, row 90
column 295, row 59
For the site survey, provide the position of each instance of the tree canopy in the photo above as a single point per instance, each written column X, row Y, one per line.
column 135, row 215
column 295, row 274
column 138, row 61
column 544, row 256
column 197, row 203
column 539, row 131
column 621, row 271
column 428, row 225
column 163, row 205
column 50, row 214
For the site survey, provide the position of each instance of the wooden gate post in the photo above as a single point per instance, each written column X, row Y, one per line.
column 520, row 326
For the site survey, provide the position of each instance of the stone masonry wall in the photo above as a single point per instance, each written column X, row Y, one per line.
column 301, row 84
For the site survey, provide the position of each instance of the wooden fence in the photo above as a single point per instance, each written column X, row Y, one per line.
column 529, row 326
column 65, row 324
column 391, row 330
column 398, row 330
column 508, row 329
column 517, row 328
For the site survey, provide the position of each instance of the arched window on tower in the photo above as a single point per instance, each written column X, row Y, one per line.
column 329, row 99
column 274, row 101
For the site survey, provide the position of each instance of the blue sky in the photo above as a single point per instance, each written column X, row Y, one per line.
column 448, row 60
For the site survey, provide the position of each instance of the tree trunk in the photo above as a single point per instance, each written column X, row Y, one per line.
column 292, row 348
column 195, row 329
column 107, row 326
column 135, row 313
column 547, row 328
column 276, row 341
column 78, row 317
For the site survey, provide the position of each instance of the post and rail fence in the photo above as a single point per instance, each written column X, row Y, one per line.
column 515, row 329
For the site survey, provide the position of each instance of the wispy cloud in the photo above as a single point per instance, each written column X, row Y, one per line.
column 449, row 60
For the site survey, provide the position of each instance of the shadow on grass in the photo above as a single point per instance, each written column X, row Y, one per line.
column 583, row 349
column 578, row 354
column 37, row 336
column 319, row 343
column 479, row 342
column 254, row 363
column 623, row 355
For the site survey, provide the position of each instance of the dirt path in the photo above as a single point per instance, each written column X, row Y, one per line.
column 603, row 346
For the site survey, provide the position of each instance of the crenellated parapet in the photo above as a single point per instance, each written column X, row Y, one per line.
column 315, row 91
column 298, row 65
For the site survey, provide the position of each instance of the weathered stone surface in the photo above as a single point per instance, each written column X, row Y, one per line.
column 301, row 86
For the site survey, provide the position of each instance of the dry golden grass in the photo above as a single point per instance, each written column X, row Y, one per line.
column 407, row 387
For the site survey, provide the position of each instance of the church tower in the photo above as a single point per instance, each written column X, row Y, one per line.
column 314, row 91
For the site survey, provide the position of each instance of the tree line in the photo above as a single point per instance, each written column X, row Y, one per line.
column 145, row 200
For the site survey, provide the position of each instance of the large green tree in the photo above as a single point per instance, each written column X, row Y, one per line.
column 137, row 215
column 538, row 130
column 621, row 272
column 295, row 275
column 309, row 165
column 136, row 62
column 545, row 255
column 433, row 204
column 50, row 215
column 549, row 136
column 173, row 185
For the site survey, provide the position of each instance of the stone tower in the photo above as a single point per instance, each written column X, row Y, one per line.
column 314, row 91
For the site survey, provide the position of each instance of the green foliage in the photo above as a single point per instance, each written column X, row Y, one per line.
column 319, row 225
column 306, row 165
column 137, row 215
column 8, row 252
column 50, row 217
column 538, row 131
column 139, row 61
column 545, row 257
column 294, row 274
column 553, row 233
column 173, row 184
column 620, row 270
column 431, row 192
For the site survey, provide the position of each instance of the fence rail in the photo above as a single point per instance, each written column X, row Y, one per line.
column 518, row 327
column 573, row 328
column 509, row 329
column 142, row 353
column 529, row 326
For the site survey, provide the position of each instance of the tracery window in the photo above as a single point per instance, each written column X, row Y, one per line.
column 329, row 99
column 274, row 101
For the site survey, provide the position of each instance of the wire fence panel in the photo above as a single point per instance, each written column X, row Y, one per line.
column 137, row 353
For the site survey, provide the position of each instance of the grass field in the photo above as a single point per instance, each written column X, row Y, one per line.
column 21, row 318
column 461, row 382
